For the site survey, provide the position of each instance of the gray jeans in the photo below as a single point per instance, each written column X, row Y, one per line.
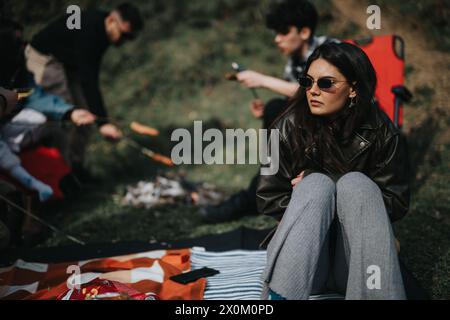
column 364, row 262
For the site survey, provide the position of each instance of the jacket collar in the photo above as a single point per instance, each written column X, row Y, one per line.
column 360, row 141
column 357, row 144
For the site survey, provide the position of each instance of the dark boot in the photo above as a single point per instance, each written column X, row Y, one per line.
column 83, row 175
column 238, row 205
column 70, row 185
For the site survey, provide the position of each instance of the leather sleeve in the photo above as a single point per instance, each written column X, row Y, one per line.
column 391, row 173
column 274, row 191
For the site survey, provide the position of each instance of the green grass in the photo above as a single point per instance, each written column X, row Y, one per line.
column 172, row 75
column 422, row 96
column 167, row 79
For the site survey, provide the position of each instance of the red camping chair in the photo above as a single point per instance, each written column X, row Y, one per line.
column 45, row 164
column 388, row 59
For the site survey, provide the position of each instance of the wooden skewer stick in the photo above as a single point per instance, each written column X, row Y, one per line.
column 150, row 153
column 40, row 220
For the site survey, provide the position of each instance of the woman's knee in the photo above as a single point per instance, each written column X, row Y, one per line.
column 356, row 183
column 356, row 189
column 315, row 186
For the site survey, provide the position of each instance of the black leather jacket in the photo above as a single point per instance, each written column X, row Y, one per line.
column 376, row 149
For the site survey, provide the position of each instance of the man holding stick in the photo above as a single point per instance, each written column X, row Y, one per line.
column 66, row 63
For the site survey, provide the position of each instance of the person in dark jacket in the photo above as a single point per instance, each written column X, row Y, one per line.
column 342, row 180
column 67, row 62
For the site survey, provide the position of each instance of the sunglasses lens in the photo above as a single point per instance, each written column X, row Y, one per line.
column 324, row 83
column 305, row 82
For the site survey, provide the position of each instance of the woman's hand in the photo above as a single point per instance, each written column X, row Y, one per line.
column 297, row 179
column 257, row 108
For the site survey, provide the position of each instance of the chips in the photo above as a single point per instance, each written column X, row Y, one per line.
column 101, row 289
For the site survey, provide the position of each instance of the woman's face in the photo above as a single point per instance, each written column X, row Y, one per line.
column 327, row 102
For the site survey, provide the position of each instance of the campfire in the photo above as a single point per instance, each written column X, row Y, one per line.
column 170, row 190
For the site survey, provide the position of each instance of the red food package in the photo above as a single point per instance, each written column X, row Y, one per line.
column 101, row 289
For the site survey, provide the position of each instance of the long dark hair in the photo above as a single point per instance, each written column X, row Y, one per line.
column 322, row 134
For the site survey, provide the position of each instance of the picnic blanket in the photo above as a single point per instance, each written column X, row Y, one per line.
column 147, row 272
column 235, row 254
column 240, row 276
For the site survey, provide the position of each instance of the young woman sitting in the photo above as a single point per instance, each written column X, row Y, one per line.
column 342, row 180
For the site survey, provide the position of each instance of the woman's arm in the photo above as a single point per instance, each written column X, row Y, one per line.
column 391, row 173
column 274, row 191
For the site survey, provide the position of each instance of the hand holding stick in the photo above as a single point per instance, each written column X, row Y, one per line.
column 233, row 76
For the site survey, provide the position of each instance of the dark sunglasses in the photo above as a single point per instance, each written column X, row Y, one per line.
column 323, row 83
